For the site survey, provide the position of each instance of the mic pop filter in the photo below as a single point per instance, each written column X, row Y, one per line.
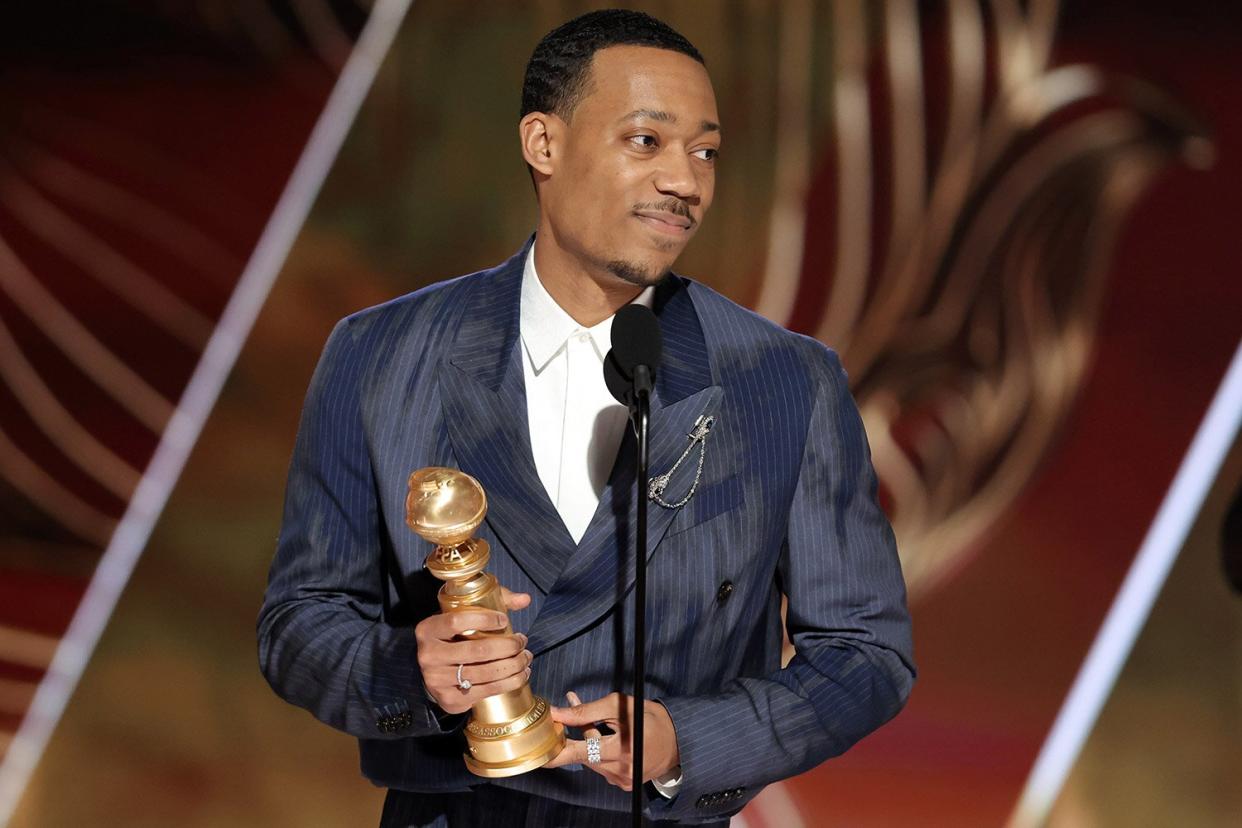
column 636, row 339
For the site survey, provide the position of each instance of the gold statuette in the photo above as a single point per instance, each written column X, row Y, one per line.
column 512, row 732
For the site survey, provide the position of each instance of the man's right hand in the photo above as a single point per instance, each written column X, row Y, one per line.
column 492, row 664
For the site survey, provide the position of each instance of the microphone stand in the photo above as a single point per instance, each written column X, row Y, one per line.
column 642, row 417
column 629, row 373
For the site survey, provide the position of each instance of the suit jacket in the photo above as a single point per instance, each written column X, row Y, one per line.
column 786, row 505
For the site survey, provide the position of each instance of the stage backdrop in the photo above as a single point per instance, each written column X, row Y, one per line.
column 1015, row 221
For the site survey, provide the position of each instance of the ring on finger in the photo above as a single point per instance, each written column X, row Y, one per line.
column 463, row 684
column 593, row 750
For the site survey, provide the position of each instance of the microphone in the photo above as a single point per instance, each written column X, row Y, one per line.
column 622, row 389
column 629, row 372
column 629, row 368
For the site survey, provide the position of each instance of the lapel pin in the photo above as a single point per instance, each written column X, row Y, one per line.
column 697, row 436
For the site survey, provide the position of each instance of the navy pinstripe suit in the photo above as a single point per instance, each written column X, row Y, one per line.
column 786, row 504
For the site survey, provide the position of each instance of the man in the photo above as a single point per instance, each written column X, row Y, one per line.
column 499, row 374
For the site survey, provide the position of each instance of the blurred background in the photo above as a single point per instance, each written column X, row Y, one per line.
column 1016, row 221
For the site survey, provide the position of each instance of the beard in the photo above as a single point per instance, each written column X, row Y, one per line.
column 636, row 274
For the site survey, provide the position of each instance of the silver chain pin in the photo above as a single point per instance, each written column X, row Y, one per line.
column 698, row 435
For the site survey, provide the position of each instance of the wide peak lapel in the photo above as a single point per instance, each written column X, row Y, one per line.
column 490, row 323
column 684, row 366
column 484, row 400
column 601, row 571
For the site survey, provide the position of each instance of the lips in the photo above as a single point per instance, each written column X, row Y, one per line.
column 665, row 221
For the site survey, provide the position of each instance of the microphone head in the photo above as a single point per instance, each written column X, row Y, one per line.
column 636, row 339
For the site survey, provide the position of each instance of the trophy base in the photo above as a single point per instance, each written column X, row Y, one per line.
column 512, row 767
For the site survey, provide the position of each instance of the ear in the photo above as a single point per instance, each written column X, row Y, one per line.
column 541, row 135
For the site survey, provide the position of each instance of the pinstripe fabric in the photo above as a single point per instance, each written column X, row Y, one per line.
column 787, row 502
column 496, row 807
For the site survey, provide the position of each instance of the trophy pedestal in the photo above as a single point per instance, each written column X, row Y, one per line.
column 509, row 733
column 502, row 744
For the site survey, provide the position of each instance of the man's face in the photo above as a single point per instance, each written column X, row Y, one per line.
column 636, row 170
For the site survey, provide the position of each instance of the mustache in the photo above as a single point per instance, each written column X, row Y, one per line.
column 669, row 205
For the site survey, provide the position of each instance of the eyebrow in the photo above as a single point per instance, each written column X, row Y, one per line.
column 667, row 117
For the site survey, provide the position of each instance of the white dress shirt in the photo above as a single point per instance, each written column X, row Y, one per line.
column 576, row 425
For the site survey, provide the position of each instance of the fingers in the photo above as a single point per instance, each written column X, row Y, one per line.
column 574, row 753
column 615, row 761
column 480, row 650
column 612, row 752
column 492, row 663
column 616, row 758
column 483, row 673
column 453, row 699
column 588, row 731
column 438, row 660
column 515, row 600
column 446, row 626
column 434, row 652
column 608, row 709
column 614, row 764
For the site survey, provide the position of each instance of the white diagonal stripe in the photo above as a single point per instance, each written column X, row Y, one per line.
column 197, row 401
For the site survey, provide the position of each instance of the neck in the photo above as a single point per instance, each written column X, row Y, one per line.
column 589, row 297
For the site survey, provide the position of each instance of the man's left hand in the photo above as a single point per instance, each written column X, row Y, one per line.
column 616, row 710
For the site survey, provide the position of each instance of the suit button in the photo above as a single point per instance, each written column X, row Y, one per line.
column 722, row 594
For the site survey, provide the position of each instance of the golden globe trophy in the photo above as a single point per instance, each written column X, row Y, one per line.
column 512, row 732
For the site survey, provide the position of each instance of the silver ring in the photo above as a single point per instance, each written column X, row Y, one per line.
column 593, row 754
column 463, row 684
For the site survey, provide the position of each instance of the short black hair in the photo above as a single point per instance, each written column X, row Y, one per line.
column 559, row 68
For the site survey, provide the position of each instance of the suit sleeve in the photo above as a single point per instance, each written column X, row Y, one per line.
column 323, row 643
column 847, row 619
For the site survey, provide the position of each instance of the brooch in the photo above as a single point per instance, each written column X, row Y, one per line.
column 698, row 436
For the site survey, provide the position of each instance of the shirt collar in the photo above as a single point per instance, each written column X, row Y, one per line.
column 545, row 326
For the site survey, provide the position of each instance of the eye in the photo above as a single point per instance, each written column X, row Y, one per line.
column 707, row 153
column 643, row 141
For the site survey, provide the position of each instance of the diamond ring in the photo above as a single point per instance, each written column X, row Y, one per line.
column 593, row 754
column 462, row 683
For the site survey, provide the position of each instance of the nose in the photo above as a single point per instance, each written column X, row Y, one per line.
column 676, row 176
